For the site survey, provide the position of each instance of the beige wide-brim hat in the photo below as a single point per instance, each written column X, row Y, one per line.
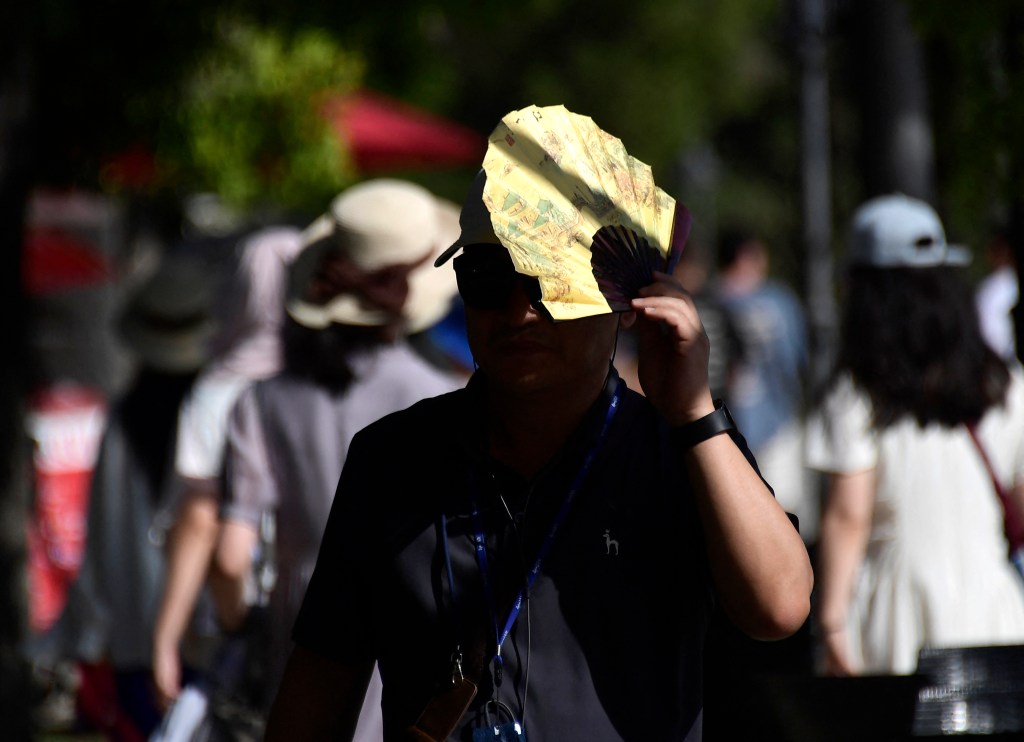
column 376, row 224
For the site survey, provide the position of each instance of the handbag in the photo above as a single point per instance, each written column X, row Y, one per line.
column 227, row 705
column 1013, row 527
column 239, row 694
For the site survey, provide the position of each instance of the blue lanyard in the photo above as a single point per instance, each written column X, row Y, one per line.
column 480, row 544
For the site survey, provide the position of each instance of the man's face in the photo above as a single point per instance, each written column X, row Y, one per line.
column 514, row 343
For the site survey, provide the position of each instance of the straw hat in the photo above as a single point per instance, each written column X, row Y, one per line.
column 375, row 225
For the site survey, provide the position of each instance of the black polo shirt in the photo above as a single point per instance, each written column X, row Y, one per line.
column 608, row 642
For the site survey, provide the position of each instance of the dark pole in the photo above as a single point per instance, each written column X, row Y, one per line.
column 17, row 50
column 899, row 152
column 1013, row 34
column 816, row 177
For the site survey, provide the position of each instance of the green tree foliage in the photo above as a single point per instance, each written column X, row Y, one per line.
column 976, row 55
column 667, row 77
column 661, row 74
column 252, row 124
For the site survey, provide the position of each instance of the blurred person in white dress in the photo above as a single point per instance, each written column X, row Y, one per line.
column 911, row 550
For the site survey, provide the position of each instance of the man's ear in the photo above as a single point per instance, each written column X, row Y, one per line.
column 627, row 320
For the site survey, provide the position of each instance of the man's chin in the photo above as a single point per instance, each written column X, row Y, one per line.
column 520, row 378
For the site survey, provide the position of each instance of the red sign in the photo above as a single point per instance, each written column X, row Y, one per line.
column 66, row 424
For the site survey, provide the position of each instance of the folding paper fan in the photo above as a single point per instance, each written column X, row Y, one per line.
column 577, row 211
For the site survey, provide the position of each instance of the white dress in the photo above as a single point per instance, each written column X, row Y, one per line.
column 936, row 571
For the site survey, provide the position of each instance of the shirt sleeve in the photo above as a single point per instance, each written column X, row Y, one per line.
column 839, row 435
column 202, row 427
column 250, row 487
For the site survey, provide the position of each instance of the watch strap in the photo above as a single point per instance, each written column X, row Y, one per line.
column 699, row 430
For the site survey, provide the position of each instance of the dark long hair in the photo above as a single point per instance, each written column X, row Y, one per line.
column 322, row 355
column 149, row 415
column 910, row 338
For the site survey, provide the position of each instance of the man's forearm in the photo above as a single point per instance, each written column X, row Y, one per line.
column 317, row 699
column 758, row 559
column 232, row 566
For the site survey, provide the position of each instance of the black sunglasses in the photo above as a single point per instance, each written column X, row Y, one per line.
column 487, row 277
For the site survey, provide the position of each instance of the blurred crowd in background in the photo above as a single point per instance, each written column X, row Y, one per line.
column 149, row 539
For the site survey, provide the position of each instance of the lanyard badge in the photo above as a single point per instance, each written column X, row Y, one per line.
column 495, row 730
column 511, row 729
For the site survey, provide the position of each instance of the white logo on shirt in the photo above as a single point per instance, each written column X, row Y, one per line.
column 609, row 542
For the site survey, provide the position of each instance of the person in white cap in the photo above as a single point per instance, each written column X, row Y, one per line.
column 535, row 556
column 363, row 281
column 912, row 551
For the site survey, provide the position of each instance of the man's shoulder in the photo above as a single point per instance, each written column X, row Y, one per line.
column 404, row 449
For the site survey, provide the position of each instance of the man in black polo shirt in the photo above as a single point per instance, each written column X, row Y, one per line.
column 538, row 554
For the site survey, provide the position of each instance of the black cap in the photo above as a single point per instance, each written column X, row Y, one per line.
column 474, row 221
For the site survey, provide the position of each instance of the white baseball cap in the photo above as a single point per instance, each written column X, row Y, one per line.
column 899, row 231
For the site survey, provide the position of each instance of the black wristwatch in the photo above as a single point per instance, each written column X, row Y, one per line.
column 698, row 431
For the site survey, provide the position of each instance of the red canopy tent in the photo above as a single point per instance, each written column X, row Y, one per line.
column 383, row 134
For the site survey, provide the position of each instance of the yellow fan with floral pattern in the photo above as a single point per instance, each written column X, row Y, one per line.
column 577, row 211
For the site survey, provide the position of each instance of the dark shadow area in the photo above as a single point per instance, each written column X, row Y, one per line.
column 963, row 693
